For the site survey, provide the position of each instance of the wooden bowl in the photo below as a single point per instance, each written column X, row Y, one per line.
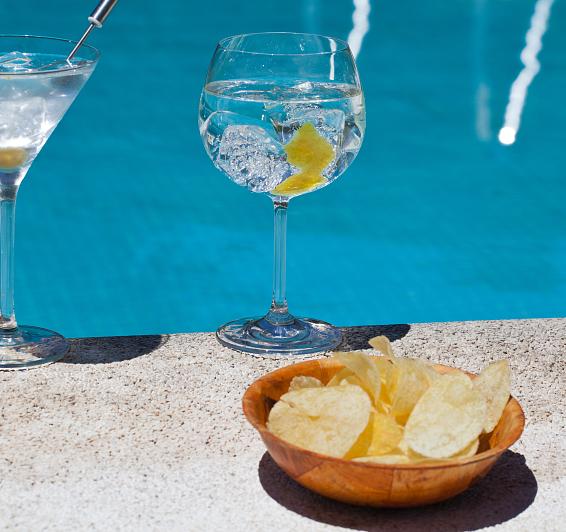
column 370, row 484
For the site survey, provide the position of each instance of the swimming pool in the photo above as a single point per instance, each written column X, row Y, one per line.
column 436, row 220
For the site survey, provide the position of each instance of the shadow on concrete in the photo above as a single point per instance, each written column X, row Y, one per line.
column 509, row 489
column 112, row 349
column 357, row 337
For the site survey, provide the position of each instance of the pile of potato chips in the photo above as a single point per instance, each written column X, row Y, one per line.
column 391, row 410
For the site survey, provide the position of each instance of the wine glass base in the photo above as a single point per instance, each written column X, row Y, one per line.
column 27, row 347
column 297, row 336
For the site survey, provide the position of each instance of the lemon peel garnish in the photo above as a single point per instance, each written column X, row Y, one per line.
column 311, row 153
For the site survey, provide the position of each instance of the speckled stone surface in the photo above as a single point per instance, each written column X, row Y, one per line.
column 146, row 433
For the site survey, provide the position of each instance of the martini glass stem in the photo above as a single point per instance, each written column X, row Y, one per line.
column 278, row 313
column 7, row 232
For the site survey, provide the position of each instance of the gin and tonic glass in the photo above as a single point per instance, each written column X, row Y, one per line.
column 281, row 114
column 37, row 86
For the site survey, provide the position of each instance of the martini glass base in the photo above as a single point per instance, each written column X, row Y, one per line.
column 27, row 347
column 296, row 336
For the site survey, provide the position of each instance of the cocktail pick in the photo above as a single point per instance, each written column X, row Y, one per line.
column 96, row 19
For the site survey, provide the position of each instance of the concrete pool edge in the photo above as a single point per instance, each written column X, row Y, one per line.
column 147, row 432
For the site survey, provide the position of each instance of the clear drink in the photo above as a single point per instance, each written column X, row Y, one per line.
column 282, row 137
column 37, row 86
column 32, row 103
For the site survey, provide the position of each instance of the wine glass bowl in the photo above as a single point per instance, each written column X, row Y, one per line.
column 281, row 114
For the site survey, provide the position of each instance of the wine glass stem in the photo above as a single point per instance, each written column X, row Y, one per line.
column 7, row 227
column 278, row 313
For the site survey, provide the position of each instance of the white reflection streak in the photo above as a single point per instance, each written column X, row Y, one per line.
column 333, row 48
column 360, row 19
column 518, row 93
column 483, row 112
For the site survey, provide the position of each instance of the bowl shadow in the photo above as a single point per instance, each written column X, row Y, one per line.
column 112, row 349
column 357, row 337
column 508, row 490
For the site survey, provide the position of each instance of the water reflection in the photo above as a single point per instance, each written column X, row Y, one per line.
column 311, row 15
column 483, row 92
column 360, row 18
column 519, row 88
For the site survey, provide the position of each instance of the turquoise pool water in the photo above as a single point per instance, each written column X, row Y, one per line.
column 435, row 221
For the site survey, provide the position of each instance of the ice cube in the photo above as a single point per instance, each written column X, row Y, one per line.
column 58, row 64
column 22, row 62
column 14, row 62
column 352, row 136
column 328, row 122
column 304, row 87
column 22, row 121
column 213, row 128
column 252, row 158
column 350, row 148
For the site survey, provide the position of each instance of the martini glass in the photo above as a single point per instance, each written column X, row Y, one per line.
column 37, row 86
column 281, row 114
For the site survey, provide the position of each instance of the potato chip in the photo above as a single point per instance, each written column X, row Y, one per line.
column 386, row 372
column 454, row 371
column 345, row 376
column 431, row 374
column 415, row 458
column 361, row 445
column 383, row 406
column 410, row 380
column 325, row 420
column 403, row 447
column 468, row 451
column 404, row 380
column 381, row 436
column 302, row 381
column 383, row 345
column 339, row 377
column 360, row 413
column 385, row 459
column 447, row 418
column 385, row 367
column 494, row 383
column 386, row 435
column 364, row 369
